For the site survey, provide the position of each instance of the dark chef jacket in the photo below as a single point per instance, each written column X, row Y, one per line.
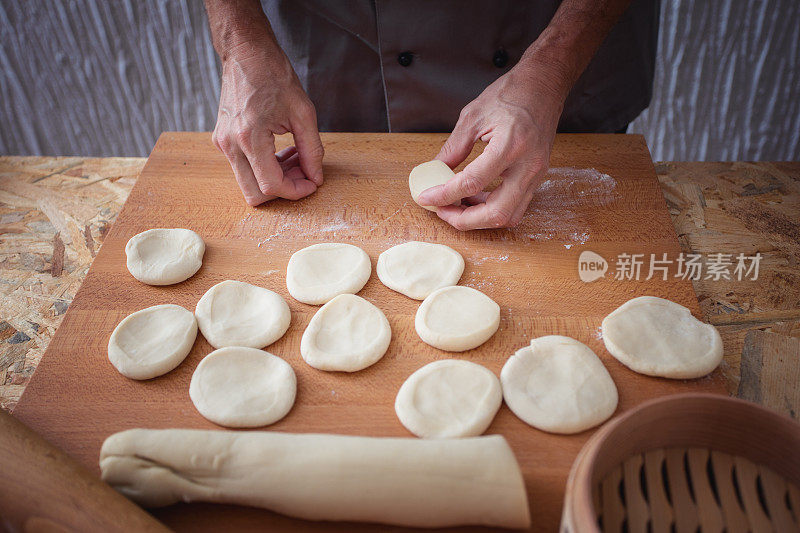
column 411, row 65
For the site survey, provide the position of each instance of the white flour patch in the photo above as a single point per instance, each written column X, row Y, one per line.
column 575, row 187
column 598, row 333
column 546, row 223
column 278, row 231
column 334, row 227
column 490, row 258
column 580, row 238
column 481, row 284
column 540, row 236
column 382, row 222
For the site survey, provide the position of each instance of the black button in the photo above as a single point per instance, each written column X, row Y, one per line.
column 500, row 58
column 405, row 58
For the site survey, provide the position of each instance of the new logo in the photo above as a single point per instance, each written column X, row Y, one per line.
column 591, row 266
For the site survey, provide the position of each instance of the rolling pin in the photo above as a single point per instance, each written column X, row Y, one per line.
column 43, row 489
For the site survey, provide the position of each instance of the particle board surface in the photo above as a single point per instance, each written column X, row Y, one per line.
column 76, row 398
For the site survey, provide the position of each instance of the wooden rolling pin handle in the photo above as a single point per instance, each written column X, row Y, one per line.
column 42, row 489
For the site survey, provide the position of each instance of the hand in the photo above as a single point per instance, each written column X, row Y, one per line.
column 517, row 115
column 261, row 97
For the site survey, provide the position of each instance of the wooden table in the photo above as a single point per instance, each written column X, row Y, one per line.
column 55, row 212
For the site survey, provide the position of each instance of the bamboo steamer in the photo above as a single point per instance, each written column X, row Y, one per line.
column 688, row 462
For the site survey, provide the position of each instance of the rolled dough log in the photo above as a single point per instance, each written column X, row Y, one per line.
column 407, row 482
column 347, row 334
column 457, row 318
column 416, row 269
column 558, row 384
column 234, row 313
column 657, row 337
column 448, row 399
column 152, row 341
column 243, row 387
column 318, row 273
column 428, row 175
column 164, row 256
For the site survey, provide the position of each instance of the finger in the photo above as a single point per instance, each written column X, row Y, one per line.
column 264, row 163
column 285, row 154
column 217, row 136
column 459, row 144
column 475, row 199
column 291, row 162
column 473, row 179
column 522, row 208
column 502, row 207
column 269, row 174
column 309, row 145
column 246, row 179
column 294, row 173
column 479, row 216
column 284, row 187
column 533, row 185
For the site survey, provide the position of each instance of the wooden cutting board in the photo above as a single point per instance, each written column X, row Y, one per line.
column 76, row 398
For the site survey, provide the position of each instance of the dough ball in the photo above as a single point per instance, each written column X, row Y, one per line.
column 153, row 341
column 559, row 385
column 317, row 274
column 428, row 175
column 657, row 337
column 448, row 399
column 234, row 313
column 164, row 256
column 457, row 318
column 243, row 387
column 346, row 334
column 416, row 269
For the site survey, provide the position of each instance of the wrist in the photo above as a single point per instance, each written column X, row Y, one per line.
column 546, row 74
column 247, row 46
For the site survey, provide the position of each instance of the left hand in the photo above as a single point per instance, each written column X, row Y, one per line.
column 517, row 115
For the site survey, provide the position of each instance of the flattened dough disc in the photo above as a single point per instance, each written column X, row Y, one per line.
column 152, row 341
column 416, row 269
column 243, row 387
column 657, row 337
column 558, row 384
column 234, row 313
column 427, row 175
column 346, row 334
column 449, row 398
column 457, row 318
column 164, row 256
column 318, row 273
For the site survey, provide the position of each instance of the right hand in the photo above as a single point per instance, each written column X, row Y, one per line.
column 261, row 97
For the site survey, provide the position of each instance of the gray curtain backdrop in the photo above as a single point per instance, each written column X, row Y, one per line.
column 105, row 77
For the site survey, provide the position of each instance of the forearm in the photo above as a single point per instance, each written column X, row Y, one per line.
column 564, row 49
column 238, row 25
column 261, row 97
